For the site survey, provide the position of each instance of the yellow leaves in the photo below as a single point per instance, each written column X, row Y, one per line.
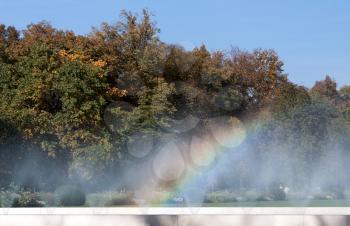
column 115, row 92
column 28, row 133
column 75, row 56
column 62, row 53
column 99, row 63
column 71, row 56
column 100, row 75
column 79, row 56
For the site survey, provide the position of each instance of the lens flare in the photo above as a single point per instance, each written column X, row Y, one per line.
column 140, row 145
column 169, row 163
column 181, row 125
column 228, row 131
column 202, row 151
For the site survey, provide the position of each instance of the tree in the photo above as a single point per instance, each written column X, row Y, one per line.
column 326, row 89
column 257, row 75
column 8, row 37
column 289, row 97
column 345, row 92
column 76, row 102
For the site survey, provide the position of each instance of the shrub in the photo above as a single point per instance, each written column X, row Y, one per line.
column 7, row 198
column 177, row 200
column 156, row 197
column 49, row 199
column 220, row 197
column 263, row 198
column 27, row 199
column 337, row 190
column 121, row 199
column 323, row 196
column 251, row 196
column 8, row 195
column 97, row 199
column 277, row 193
column 111, row 199
column 70, row 196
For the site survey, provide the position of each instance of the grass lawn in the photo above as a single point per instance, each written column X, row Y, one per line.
column 310, row 203
column 295, row 203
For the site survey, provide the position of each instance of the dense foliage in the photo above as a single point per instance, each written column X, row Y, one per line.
column 69, row 105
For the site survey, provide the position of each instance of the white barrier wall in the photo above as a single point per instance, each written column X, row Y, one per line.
column 175, row 217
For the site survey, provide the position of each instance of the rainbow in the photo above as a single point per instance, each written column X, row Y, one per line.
column 226, row 133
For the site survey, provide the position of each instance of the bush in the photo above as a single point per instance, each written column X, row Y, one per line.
column 251, row 196
column 156, row 197
column 111, row 199
column 49, row 199
column 8, row 195
column 27, row 199
column 337, row 190
column 220, row 197
column 324, row 196
column 97, row 199
column 277, row 192
column 178, row 200
column 70, row 196
column 263, row 198
column 121, row 199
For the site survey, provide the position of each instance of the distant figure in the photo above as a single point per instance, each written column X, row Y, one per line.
column 285, row 189
column 178, row 200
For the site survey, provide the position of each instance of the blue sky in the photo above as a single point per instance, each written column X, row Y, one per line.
column 312, row 37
